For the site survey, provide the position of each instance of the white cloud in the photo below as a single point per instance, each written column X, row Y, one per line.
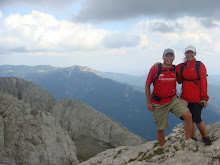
column 121, row 39
column 144, row 42
column 185, row 31
column 1, row 14
column 140, row 47
column 42, row 32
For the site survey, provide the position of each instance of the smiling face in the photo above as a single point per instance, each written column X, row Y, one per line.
column 190, row 55
column 168, row 59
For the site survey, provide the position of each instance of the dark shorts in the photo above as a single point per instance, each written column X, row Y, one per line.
column 196, row 110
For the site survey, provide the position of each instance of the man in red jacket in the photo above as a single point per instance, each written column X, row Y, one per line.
column 164, row 100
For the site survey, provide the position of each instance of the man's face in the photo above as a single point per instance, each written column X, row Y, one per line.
column 168, row 58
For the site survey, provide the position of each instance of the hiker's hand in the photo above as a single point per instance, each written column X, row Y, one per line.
column 156, row 64
column 150, row 106
column 205, row 103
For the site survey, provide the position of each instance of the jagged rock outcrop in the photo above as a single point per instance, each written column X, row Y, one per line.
column 92, row 131
column 32, row 136
column 29, row 92
column 175, row 151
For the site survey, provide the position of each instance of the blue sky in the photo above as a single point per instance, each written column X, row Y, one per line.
column 123, row 36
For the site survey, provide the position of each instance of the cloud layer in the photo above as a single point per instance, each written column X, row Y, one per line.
column 38, row 31
column 99, row 10
column 139, row 43
column 57, row 4
column 1, row 14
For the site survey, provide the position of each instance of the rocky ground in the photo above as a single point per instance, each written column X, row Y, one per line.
column 174, row 152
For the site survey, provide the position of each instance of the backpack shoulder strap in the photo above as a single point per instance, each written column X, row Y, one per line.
column 197, row 67
column 182, row 67
column 176, row 73
column 158, row 73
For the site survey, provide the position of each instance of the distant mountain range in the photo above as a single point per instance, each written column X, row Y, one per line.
column 138, row 82
column 117, row 100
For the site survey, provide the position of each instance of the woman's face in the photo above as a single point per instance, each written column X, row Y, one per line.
column 190, row 55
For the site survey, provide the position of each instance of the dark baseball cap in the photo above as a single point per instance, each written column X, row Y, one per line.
column 166, row 51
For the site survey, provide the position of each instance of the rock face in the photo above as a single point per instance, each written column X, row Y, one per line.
column 32, row 136
column 29, row 92
column 92, row 131
column 175, row 151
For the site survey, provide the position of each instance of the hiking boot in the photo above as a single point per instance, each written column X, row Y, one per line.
column 194, row 138
column 206, row 141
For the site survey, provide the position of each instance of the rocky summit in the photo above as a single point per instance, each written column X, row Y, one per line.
column 32, row 137
column 29, row 92
column 174, row 152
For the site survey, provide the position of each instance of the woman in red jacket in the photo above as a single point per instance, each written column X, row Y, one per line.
column 194, row 89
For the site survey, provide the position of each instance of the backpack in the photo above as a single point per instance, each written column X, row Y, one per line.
column 160, row 70
column 197, row 71
column 157, row 98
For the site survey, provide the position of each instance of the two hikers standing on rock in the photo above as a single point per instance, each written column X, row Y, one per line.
column 192, row 75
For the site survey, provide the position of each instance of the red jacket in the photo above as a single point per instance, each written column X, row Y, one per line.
column 165, row 85
column 192, row 92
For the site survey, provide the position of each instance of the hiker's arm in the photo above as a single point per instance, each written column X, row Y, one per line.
column 179, row 74
column 204, row 84
column 156, row 64
column 147, row 92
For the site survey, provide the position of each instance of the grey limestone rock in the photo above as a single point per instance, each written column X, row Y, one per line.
column 92, row 131
column 1, row 132
column 29, row 92
column 32, row 136
column 175, row 151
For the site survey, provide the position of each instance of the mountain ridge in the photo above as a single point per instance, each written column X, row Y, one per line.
column 117, row 100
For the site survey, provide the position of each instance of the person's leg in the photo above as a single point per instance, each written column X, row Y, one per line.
column 192, row 109
column 180, row 109
column 202, row 129
column 197, row 111
column 193, row 130
column 188, row 124
column 161, row 137
column 161, row 120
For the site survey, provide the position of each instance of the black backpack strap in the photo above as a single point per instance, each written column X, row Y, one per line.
column 182, row 67
column 174, row 67
column 197, row 71
column 158, row 73
column 197, row 67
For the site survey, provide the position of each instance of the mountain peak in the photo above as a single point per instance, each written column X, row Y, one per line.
column 83, row 69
